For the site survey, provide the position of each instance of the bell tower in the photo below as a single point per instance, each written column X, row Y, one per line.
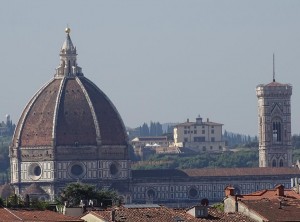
column 274, row 123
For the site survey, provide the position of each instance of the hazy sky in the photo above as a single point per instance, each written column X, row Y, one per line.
column 156, row 60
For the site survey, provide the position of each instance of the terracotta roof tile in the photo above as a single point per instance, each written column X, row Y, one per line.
column 272, row 210
column 276, row 84
column 212, row 172
column 73, row 110
column 194, row 123
column 258, row 171
column 12, row 215
column 164, row 214
column 272, row 207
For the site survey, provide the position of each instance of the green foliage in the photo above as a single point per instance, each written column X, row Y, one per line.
column 219, row 206
column 39, row 205
column 296, row 141
column 296, row 155
column 73, row 193
column 206, row 160
column 155, row 129
column 236, row 139
column 4, row 159
column 14, row 201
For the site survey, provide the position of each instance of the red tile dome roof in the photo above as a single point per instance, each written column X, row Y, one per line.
column 69, row 110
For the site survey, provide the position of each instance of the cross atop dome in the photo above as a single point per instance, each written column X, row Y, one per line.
column 68, row 59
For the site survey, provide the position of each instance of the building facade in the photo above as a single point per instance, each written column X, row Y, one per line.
column 183, row 188
column 150, row 141
column 200, row 136
column 274, row 121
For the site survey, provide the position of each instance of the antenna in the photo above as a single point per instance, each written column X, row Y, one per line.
column 273, row 67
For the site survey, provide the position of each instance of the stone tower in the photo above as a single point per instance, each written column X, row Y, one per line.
column 274, row 123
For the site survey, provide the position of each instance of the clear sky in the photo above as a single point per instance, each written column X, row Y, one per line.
column 156, row 60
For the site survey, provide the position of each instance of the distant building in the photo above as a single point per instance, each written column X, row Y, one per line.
column 274, row 121
column 182, row 188
column 200, row 136
column 7, row 128
column 150, row 141
column 148, row 145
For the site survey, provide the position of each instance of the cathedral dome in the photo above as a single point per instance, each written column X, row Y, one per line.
column 69, row 110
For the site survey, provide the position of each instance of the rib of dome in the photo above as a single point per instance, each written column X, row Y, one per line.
column 69, row 112
column 111, row 126
column 75, row 122
column 35, row 125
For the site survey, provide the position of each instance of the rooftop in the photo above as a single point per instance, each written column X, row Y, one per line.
column 13, row 215
column 216, row 172
column 277, row 204
column 163, row 214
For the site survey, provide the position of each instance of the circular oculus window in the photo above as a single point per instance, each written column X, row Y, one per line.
column 113, row 169
column 151, row 193
column 77, row 170
column 35, row 171
column 193, row 193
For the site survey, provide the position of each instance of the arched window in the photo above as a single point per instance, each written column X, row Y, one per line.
column 151, row 193
column 69, row 67
column 274, row 164
column 276, row 130
column 281, row 163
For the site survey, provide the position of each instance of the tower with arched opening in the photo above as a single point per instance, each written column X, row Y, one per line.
column 274, row 124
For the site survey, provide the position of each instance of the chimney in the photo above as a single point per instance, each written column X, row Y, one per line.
column 207, row 119
column 113, row 215
column 229, row 191
column 236, row 204
column 187, row 120
column 280, row 190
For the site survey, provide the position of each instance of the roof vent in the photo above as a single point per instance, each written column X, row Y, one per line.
column 198, row 211
column 279, row 190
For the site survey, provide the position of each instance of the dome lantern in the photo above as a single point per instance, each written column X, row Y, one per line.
column 68, row 59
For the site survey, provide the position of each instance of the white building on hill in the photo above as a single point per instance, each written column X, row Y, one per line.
column 199, row 136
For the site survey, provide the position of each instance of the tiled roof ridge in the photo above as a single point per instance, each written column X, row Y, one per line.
column 95, row 213
column 265, row 219
column 257, row 193
column 12, row 213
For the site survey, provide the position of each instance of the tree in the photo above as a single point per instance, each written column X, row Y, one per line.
column 73, row 193
column 144, row 130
